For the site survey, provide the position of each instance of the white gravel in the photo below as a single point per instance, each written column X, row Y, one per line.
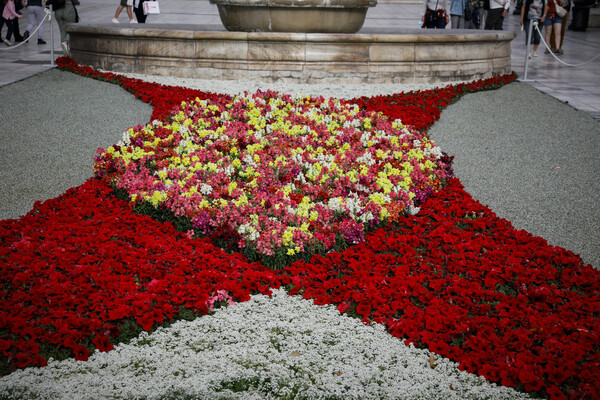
column 239, row 86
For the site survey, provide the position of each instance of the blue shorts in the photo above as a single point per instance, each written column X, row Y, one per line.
column 549, row 20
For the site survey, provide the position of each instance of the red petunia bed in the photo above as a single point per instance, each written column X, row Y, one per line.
column 82, row 271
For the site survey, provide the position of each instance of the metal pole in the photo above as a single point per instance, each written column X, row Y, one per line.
column 529, row 31
column 51, row 39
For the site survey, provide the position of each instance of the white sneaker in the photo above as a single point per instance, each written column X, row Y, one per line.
column 115, row 21
column 132, row 21
column 65, row 48
column 6, row 42
column 535, row 53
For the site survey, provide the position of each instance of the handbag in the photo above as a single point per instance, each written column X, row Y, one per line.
column 431, row 16
column 560, row 11
column 151, row 7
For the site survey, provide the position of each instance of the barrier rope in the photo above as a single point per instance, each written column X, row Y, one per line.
column 48, row 15
column 554, row 55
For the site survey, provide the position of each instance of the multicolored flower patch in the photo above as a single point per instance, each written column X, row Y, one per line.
column 282, row 175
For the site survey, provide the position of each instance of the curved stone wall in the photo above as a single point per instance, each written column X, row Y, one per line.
column 410, row 56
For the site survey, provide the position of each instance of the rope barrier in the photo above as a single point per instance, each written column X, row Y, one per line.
column 535, row 24
column 48, row 15
column 554, row 55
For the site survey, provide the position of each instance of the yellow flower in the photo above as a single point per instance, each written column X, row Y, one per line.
column 232, row 187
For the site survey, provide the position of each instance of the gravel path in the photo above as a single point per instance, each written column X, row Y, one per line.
column 512, row 152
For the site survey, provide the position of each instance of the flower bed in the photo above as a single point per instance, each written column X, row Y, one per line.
column 276, row 176
column 454, row 278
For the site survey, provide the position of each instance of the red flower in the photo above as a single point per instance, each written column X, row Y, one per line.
column 103, row 343
column 81, row 353
column 455, row 277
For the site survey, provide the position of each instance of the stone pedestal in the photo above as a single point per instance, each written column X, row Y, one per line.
column 303, row 16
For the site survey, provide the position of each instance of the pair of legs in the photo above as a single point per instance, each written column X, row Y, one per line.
column 63, row 16
column 139, row 12
column 457, row 21
column 482, row 18
column 10, row 28
column 494, row 19
column 35, row 17
column 123, row 4
column 563, row 27
column 535, row 36
column 553, row 27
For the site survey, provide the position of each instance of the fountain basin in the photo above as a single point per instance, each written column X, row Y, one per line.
column 303, row 16
column 371, row 56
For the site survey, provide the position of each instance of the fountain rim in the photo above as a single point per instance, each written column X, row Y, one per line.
column 297, row 3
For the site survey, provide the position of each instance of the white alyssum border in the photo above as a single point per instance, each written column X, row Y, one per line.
column 266, row 348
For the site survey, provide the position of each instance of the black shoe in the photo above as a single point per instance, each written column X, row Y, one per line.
column 40, row 41
column 19, row 39
column 26, row 35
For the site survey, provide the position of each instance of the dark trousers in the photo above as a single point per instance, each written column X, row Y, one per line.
column 440, row 24
column 10, row 27
column 139, row 12
column 494, row 19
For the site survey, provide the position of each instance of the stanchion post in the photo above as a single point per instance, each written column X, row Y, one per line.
column 51, row 39
column 529, row 31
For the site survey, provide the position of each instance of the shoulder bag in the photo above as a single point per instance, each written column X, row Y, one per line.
column 151, row 7
column 431, row 16
column 560, row 11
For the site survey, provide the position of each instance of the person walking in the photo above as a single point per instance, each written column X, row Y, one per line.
column 496, row 14
column 124, row 4
column 435, row 14
column 563, row 26
column 552, row 24
column 457, row 13
column 10, row 17
column 35, row 17
column 533, row 10
column 64, row 14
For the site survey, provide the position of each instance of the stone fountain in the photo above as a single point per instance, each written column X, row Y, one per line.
column 294, row 41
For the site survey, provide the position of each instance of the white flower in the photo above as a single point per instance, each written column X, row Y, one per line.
column 413, row 210
column 266, row 348
column 205, row 189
